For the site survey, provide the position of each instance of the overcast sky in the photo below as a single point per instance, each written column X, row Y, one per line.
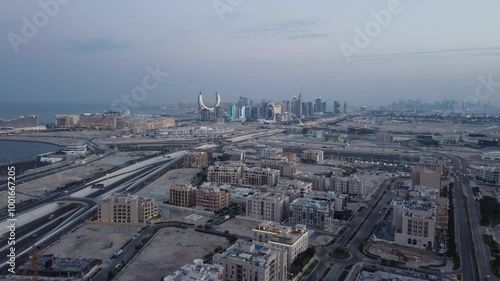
column 96, row 50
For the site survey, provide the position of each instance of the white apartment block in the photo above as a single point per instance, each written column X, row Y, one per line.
column 248, row 261
column 225, row 173
column 294, row 240
column 348, row 185
column 415, row 223
column 312, row 213
column 490, row 174
column 126, row 208
column 269, row 206
column 260, row 176
column 313, row 155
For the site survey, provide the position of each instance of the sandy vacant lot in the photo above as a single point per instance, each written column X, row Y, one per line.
column 93, row 240
column 170, row 249
column 159, row 189
column 39, row 186
column 238, row 226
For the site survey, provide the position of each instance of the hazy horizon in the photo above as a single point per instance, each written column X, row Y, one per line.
column 94, row 51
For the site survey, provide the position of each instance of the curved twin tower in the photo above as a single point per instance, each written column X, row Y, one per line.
column 201, row 104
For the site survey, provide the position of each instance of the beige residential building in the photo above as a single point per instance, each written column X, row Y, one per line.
column 294, row 240
column 196, row 159
column 183, row 195
column 415, row 223
column 248, row 261
column 432, row 164
column 269, row 206
column 225, row 173
column 211, row 198
column 286, row 168
column 348, row 185
column 126, row 208
column 426, row 177
column 313, row 155
column 260, row 176
column 312, row 213
column 318, row 182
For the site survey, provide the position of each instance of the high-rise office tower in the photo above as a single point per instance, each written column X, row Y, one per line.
column 336, row 107
column 300, row 111
column 317, row 104
column 323, row 107
column 345, row 107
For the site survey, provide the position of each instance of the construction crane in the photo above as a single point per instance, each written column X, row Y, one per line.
column 32, row 265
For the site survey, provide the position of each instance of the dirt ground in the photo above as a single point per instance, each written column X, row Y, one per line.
column 169, row 250
column 415, row 257
column 240, row 226
column 160, row 188
column 92, row 240
column 42, row 185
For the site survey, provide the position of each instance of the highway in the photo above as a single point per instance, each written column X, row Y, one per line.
column 464, row 240
column 50, row 232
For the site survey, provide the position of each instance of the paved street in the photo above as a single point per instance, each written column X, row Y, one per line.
column 365, row 229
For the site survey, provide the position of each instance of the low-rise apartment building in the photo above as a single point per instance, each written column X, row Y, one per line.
column 183, row 195
column 348, row 185
column 196, row 159
column 415, row 224
column 225, row 173
column 313, row 155
column 286, row 168
column 260, row 176
column 212, row 199
column 317, row 181
column 312, row 213
column 126, row 208
column 271, row 206
column 294, row 240
column 253, row 262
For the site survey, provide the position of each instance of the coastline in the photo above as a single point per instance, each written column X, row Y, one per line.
column 30, row 160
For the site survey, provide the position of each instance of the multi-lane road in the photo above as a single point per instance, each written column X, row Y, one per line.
column 45, row 231
column 467, row 243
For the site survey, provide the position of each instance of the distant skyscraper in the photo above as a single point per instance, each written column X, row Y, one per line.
column 317, row 104
column 336, row 107
column 299, row 106
column 232, row 113
column 345, row 107
column 323, row 107
column 309, row 108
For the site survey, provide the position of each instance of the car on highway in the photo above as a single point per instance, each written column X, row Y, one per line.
column 117, row 254
column 51, row 217
column 118, row 266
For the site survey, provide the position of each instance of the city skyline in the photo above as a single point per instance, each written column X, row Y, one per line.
column 249, row 50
